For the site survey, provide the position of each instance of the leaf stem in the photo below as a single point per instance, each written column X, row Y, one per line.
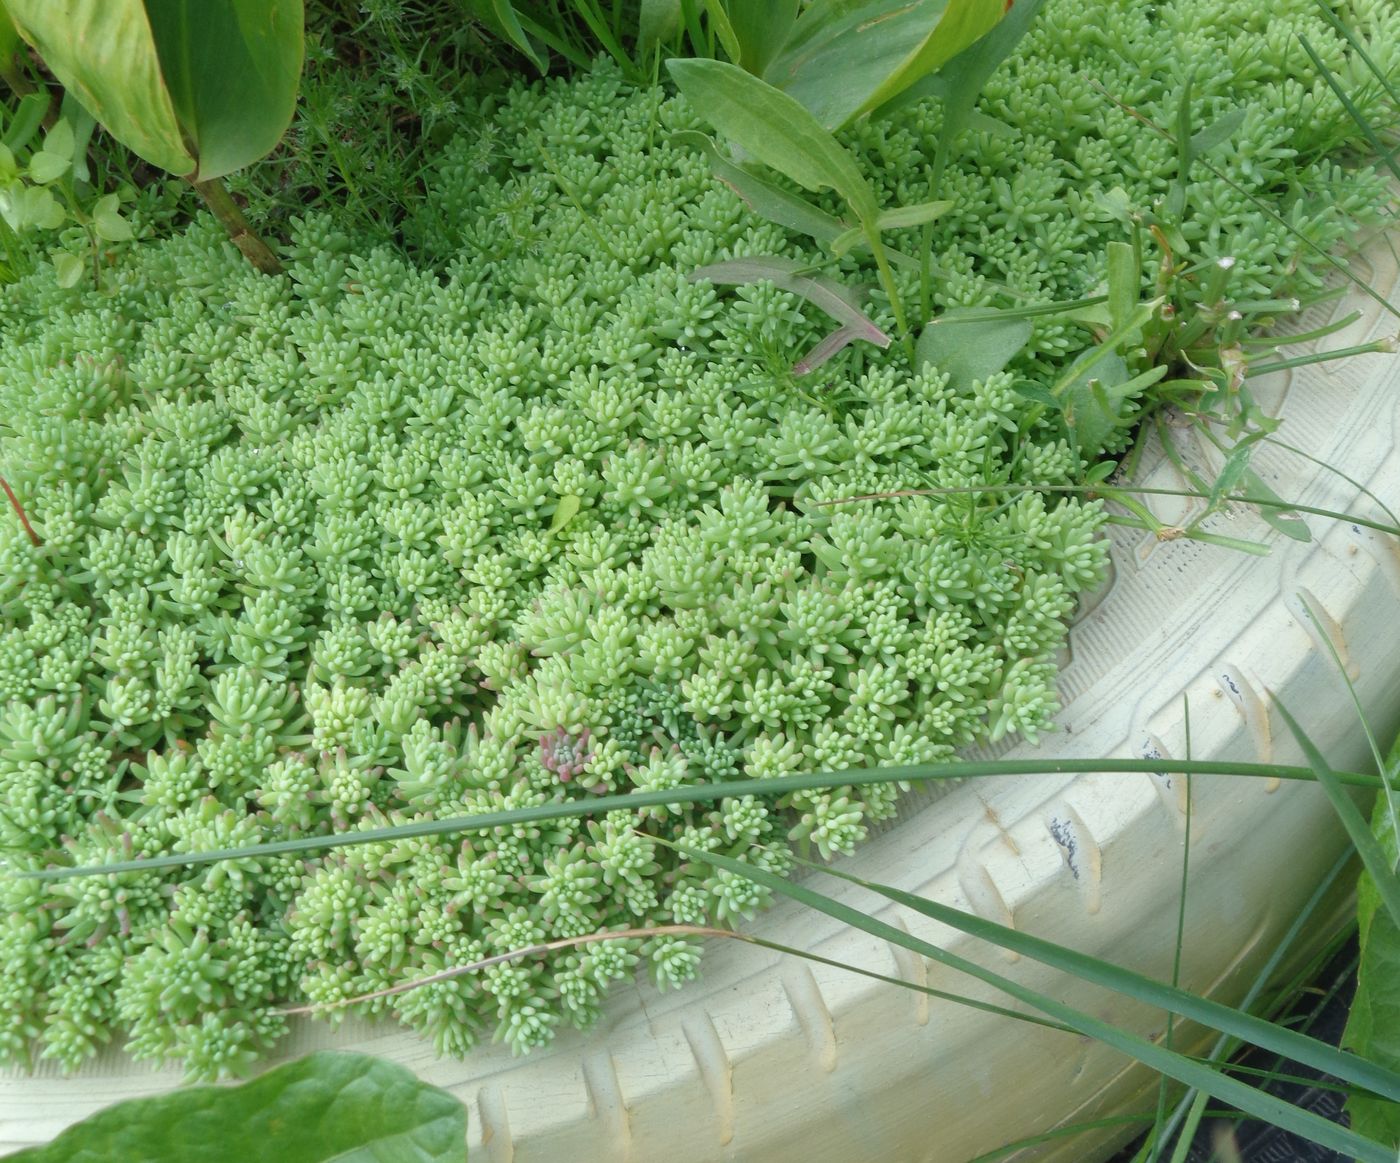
column 19, row 512
column 225, row 209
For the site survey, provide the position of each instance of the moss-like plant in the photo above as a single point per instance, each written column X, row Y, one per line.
column 371, row 543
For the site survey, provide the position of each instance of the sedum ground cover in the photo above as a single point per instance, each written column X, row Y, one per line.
column 540, row 517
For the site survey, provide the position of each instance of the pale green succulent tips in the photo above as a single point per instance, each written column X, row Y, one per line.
column 373, row 542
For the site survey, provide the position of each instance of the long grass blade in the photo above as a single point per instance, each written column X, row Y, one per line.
column 1256, row 1031
column 1362, row 838
column 696, row 794
column 1177, row 1066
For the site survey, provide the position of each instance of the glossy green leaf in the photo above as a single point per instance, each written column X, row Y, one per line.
column 103, row 52
column 971, row 345
column 231, row 68
column 774, row 128
column 901, row 217
column 1373, row 1025
column 350, row 1108
column 849, row 57
column 761, row 29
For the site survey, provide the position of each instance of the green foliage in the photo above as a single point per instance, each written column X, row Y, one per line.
column 196, row 97
column 46, row 192
column 327, row 1106
column 371, row 544
column 1373, row 1025
column 545, row 520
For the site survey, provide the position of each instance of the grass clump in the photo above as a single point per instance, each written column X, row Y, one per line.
column 538, row 519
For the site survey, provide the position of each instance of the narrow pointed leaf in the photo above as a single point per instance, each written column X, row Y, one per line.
column 1362, row 838
column 1177, row 1066
column 790, row 275
column 765, row 198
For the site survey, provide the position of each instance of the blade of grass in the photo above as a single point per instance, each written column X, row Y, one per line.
column 1192, row 1104
column 1391, row 807
column 1203, row 1011
column 1109, row 491
column 697, row 794
column 1177, row 1066
column 1362, row 122
column 1362, row 838
column 1059, row 1133
column 1158, row 1133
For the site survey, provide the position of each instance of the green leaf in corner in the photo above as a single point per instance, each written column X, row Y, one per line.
column 971, row 344
column 1373, row 1026
column 346, row 1108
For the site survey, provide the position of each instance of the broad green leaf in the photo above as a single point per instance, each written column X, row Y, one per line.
column 959, row 82
column 231, row 68
column 761, row 28
column 346, row 1108
column 46, row 167
column 971, row 349
column 103, row 52
column 849, row 57
column 107, row 220
column 9, row 169
column 1373, row 1025
column 774, row 128
column 840, row 302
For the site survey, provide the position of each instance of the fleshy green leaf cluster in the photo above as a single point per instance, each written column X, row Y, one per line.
column 376, row 542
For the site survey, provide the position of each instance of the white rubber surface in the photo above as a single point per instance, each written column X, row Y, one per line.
column 771, row 1059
